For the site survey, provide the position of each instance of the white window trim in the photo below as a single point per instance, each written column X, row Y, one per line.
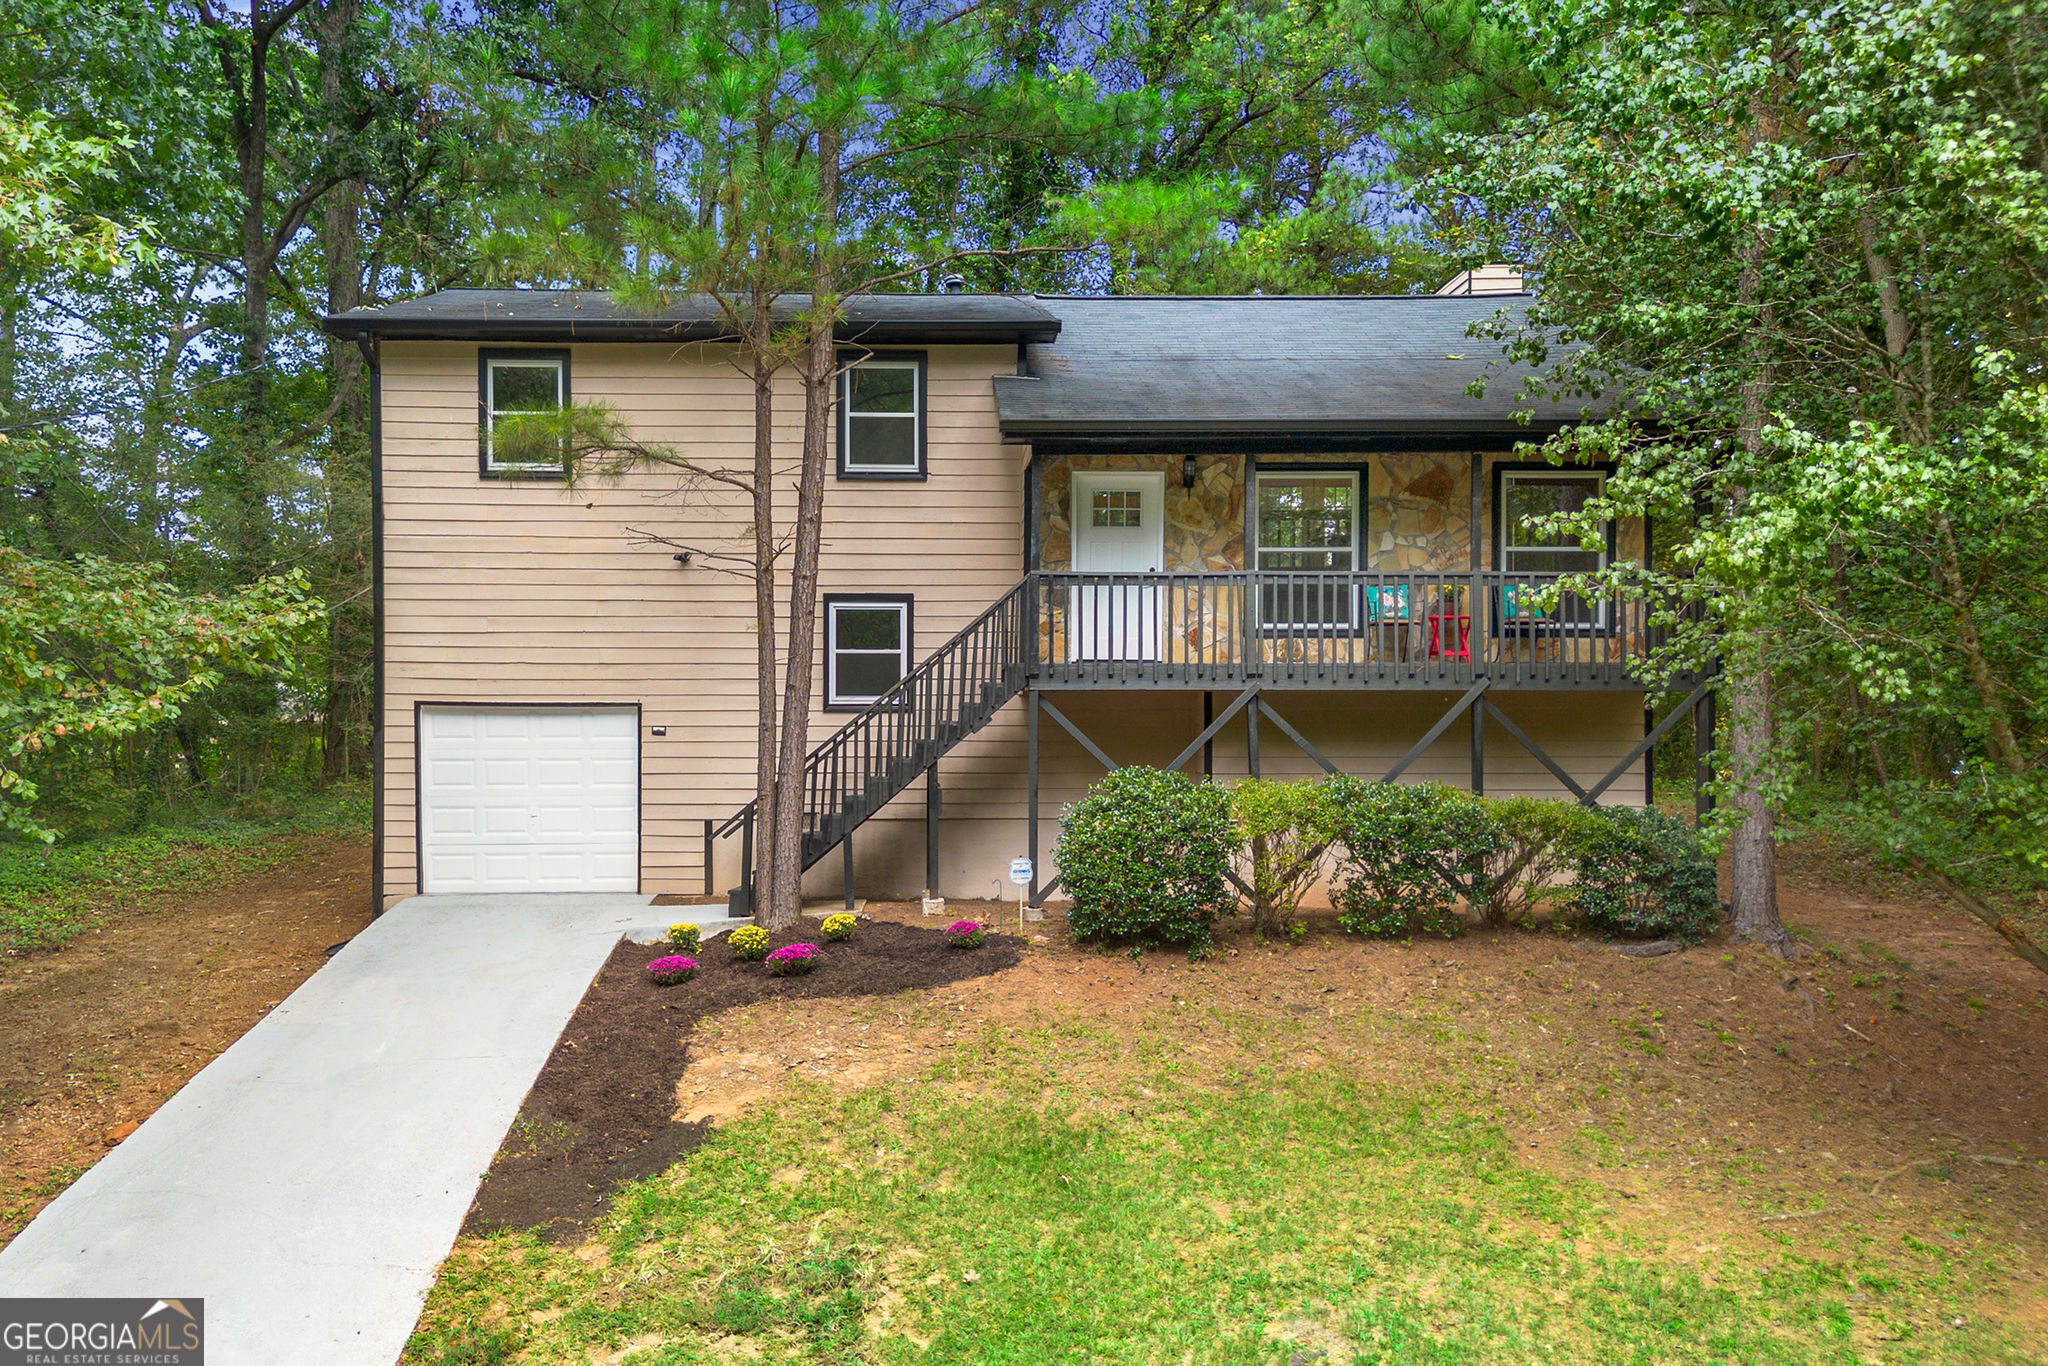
column 901, row 604
column 492, row 364
column 1260, row 479
column 1505, row 550
column 847, row 413
column 1511, row 525
column 1265, row 477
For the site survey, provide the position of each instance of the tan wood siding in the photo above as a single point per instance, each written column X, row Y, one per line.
column 526, row 591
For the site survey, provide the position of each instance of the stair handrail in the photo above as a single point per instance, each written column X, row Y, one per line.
column 898, row 698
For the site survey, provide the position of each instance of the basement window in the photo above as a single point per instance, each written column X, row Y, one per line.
column 867, row 648
column 513, row 384
column 881, row 417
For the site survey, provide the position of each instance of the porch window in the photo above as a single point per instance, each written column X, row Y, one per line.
column 881, row 418
column 867, row 648
column 1307, row 527
column 1523, row 549
column 517, row 384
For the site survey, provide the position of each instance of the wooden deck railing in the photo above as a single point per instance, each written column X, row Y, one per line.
column 1425, row 629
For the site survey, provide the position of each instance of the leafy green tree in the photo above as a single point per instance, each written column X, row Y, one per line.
column 92, row 652
column 1803, row 249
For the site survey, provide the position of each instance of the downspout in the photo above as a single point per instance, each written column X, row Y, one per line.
column 373, row 362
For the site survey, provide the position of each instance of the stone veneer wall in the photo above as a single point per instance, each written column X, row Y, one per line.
column 1418, row 509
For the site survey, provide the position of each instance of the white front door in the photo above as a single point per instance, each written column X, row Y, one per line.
column 529, row 799
column 1119, row 528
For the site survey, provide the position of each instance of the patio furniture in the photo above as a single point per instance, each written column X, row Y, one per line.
column 1442, row 645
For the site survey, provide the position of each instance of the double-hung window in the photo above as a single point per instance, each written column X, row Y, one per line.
column 867, row 648
column 881, row 417
column 511, row 385
column 1307, row 525
column 1543, row 553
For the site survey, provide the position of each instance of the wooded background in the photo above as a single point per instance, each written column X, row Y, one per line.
column 1810, row 242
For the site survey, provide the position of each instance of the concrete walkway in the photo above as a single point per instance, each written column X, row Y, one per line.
column 309, row 1181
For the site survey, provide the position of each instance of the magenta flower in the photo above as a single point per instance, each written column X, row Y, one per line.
column 966, row 934
column 793, row 960
column 672, row 969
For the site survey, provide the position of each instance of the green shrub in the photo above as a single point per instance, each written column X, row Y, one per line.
column 1145, row 856
column 1408, row 853
column 1283, row 831
column 1642, row 874
column 1541, row 838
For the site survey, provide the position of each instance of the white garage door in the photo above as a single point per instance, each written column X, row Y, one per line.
column 529, row 799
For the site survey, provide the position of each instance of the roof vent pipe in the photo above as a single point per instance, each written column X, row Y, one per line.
column 952, row 284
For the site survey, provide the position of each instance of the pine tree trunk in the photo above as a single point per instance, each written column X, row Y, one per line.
column 760, row 327
column 819, row 381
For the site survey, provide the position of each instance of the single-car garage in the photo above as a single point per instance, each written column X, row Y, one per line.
column 529, row 799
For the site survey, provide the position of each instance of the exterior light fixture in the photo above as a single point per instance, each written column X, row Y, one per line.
column 1187, row 471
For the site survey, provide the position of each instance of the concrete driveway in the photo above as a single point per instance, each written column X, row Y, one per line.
column 308, row 1182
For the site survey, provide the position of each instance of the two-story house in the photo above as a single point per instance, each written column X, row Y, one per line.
column 1237, row 535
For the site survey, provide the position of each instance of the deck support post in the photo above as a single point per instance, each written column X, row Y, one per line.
column 1703, row 721
column 1478, row 751
column 1209, row 745
column 1251, row 738
column 710, row 881
column 846, row 867
column 1650, row 755
column 746, row 896
column 1031, row 786
column 933, row 799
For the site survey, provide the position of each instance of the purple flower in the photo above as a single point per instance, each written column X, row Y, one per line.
column 674, row 968
column 966, row 934
column 793, row 960
column 963, row 927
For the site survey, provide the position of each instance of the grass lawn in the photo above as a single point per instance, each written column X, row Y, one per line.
column 1226, row 1164
column 50, row 893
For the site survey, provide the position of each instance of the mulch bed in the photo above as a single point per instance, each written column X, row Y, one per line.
column 599, row 1114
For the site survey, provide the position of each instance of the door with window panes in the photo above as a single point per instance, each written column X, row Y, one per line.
column 1118, row 529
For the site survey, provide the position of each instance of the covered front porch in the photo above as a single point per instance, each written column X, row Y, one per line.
column 1383, row 569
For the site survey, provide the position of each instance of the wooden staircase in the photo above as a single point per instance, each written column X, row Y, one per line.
column 879, row 753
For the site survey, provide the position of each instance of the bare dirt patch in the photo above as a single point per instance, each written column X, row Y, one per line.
column 96, row 1035
column 604, row 1110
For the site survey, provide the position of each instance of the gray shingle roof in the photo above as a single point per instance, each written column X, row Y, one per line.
column 595, row 315
column 1267, row 365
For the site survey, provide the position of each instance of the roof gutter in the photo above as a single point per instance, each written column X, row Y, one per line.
column 878, row 333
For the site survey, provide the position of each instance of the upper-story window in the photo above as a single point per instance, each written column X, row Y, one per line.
column 881, row 417
column 1522, row 549
column 1308, row 528
column 513, row 384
